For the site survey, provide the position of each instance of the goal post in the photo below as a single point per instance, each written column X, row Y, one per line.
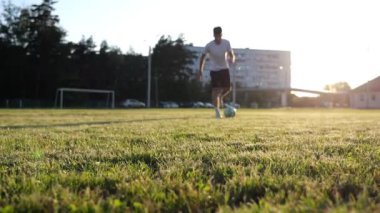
column 59, row 96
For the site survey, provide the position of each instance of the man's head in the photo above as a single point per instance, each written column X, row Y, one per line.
column 218, row 34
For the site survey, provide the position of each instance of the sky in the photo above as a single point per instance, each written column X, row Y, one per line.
column 330, row 40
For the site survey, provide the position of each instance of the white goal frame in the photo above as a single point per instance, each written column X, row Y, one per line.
column 60, row 92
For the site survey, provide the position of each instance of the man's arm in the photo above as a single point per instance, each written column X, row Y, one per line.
column 201, row 66
column 231, row 56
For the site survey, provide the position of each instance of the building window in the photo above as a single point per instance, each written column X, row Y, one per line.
column 373, row 97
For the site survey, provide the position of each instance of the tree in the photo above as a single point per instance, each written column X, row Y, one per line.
column 338, row 87
column 104, row 48
column 340, row 99
column 14, row 26
column 133, row 77
column 171, row 72
column 13, row 59
column 44, row 40
column 36, row 60
column 170, row 59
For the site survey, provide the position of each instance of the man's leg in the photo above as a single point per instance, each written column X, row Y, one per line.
column 226, row 85
column 216, row 97
column 225, row 92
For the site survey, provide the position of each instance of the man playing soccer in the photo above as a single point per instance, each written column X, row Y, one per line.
column 220, row 53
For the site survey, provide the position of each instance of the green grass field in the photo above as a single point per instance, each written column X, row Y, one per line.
column 278, row 160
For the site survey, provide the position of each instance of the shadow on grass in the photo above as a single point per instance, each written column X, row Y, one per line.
column 88, row 123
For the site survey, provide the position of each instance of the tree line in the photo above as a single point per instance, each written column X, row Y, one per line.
column 35, row 60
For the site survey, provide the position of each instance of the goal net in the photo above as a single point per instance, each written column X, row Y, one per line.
column 84, row 98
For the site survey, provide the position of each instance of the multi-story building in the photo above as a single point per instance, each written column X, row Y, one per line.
column 366, row 96
column 255, row 70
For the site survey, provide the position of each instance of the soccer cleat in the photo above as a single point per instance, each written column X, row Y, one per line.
column 217, row 113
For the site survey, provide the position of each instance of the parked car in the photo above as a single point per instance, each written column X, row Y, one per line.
column 236, row 105
column 254, row 105
column 173, row 104
column 198, row 104
column 132, row 103
column 168, row 104
column 186, row 104
column 208, row 105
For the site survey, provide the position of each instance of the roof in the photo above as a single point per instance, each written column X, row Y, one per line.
column 372, row 85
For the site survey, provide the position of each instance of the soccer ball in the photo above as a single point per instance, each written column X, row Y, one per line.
column 229, row 112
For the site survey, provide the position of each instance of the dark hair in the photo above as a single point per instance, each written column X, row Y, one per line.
column 217, row 30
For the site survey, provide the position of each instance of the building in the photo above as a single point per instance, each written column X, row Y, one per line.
column 255, row 70
column 366, row 96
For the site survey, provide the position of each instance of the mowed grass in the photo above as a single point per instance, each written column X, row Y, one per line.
column 185, row 160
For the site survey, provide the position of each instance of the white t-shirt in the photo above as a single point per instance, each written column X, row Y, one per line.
column 218, row 54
